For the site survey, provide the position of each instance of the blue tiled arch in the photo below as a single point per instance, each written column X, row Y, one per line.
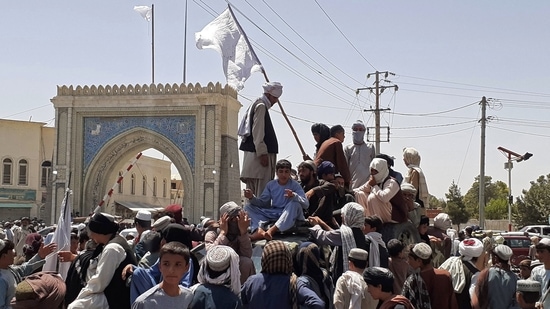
column 180, row 130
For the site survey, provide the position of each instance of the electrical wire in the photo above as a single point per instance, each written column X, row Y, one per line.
column 478, row 86
column 308, row 44
column 437, row 113
column 342, row 33
column 437, row 125
column 520, row 132
column 26, row 111
column 334, row 79
column 433, row 135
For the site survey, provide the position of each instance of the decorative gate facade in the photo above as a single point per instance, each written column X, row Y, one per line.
column 100, row 127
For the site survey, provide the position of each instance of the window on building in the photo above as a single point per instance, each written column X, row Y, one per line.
column 120, row 184
column 154, row 186
column 6, row 172
column 23, row 172
column 133, row 184
column 46, row 173
column 144, row 185
column 164, row 187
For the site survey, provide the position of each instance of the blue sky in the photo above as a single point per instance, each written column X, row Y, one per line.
column 445, row 56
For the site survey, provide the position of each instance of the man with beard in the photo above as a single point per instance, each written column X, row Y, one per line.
column 325, row 193
column 233, row 232
column 307, row 172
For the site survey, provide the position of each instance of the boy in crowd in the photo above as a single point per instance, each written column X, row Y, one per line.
column 174, row 263
column 351, row 289
column 528, row 293
column 380, row 286
column 283, row 200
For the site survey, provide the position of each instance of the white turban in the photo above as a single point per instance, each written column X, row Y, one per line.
column 442, row 221
column 381, row 166
column 358, row 123
column 273, row 88
column 411, row 156
column 470, row 248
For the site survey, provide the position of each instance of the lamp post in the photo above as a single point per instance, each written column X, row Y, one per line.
column 512, row 156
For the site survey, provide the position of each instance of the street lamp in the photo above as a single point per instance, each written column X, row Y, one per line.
column 512, row 156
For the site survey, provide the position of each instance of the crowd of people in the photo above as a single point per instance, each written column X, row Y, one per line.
column 339, row 202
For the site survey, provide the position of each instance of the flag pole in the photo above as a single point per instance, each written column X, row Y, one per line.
column 304, row 155
column 267, row 80
column 185, row 44
column 153, row 43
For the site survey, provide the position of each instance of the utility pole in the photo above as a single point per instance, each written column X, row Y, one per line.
column 481, row 203
column 378, row 91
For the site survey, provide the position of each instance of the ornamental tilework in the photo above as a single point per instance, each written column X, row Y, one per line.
column 180, row 130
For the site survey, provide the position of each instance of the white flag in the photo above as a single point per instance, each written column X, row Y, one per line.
column 144, row 11
column 62, row 237
column 225, row 35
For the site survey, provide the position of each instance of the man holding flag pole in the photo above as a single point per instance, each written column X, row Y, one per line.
column 225, row 35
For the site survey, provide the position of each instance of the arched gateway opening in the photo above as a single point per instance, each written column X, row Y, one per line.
column 98, row 128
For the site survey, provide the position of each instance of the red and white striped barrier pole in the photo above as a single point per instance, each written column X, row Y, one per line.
column 117, row 183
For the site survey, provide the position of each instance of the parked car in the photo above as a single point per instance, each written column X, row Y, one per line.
column 519, row 242
column 539, row 229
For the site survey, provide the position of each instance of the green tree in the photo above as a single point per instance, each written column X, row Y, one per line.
column 493, row 191
column 455, row 205
column 533, row 207
column 437, row 203
column 496, row 209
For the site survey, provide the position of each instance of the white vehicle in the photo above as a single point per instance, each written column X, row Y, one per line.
column 539, row 229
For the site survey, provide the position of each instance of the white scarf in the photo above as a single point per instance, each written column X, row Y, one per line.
column 354, row 284
column 423, row 193
column 454, row 266
column 348, row 243
column 374, row 251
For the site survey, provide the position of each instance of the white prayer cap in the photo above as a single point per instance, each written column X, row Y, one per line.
column 143, row 215
column 422, row 250
column 503, row 252
column 273, row 88
column 528, row 286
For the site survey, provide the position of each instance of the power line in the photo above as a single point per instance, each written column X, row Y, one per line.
column 342, row 33
column 279, row 44
column 520, row 132
column 436, row 125
column 318, row 71
column 477, row 86
column 436, row 113
column 433, row 135
column 319, row 53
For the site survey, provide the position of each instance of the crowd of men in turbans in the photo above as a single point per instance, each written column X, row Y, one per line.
column 338, row 207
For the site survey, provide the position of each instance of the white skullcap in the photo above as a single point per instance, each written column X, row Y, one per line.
column 528, row 286
column 503, row 252
column 422, row 250
column 143, row 215
column 273, row 88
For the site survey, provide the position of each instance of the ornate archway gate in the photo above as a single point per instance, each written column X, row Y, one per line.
column 194, row 126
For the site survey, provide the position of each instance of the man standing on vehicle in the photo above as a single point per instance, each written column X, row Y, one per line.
column 259, row 142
